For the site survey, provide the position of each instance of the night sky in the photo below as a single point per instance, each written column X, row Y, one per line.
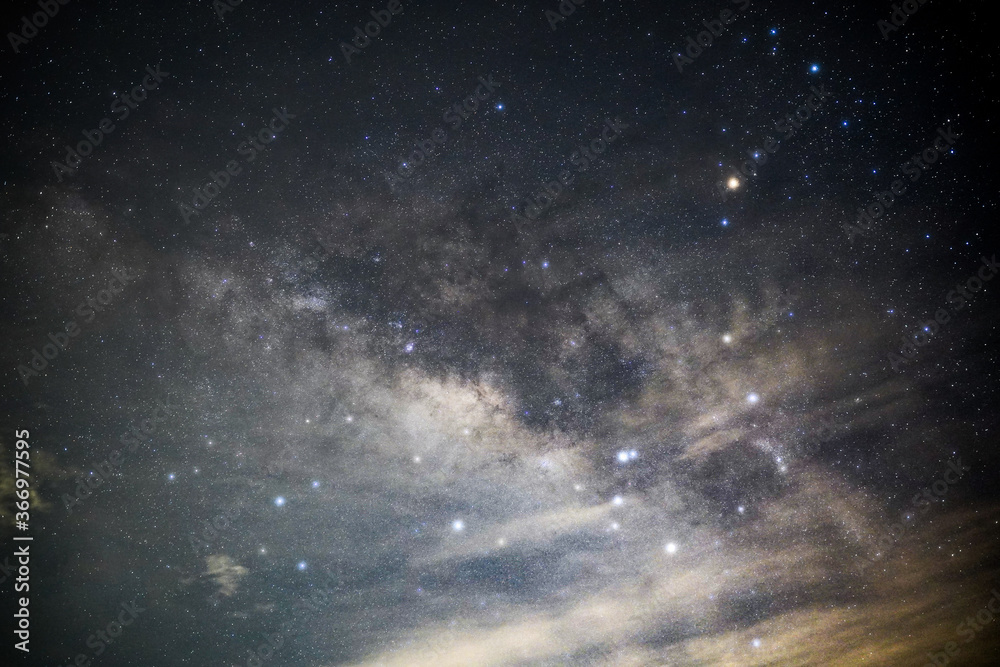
column 472, row 333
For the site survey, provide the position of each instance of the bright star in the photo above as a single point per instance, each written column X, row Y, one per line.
column 279, row 501
column 752, row 398
column 733, row 183
column 671, row 548
column 301, row 565
column 457, row 525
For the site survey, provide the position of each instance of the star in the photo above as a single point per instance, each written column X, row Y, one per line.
column 300, row 285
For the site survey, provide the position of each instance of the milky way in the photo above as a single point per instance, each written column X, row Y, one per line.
column 547, row 334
